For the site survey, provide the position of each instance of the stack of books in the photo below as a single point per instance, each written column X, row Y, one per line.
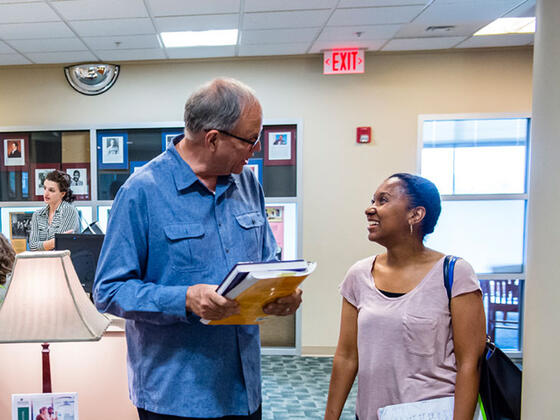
column 254, row 285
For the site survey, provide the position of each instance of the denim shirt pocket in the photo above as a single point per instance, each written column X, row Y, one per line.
column 185, row 241
column 252, row 231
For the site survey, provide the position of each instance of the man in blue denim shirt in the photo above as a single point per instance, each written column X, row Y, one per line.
column 177, row 227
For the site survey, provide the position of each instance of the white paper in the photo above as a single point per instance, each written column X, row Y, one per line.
column 280, row 146
column 436, row 409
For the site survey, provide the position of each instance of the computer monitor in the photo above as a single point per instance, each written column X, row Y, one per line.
column 93, row 229
column 84, row 252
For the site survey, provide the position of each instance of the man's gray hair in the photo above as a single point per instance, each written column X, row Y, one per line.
column 217, row 105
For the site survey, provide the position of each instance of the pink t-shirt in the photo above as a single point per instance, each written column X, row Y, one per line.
column 405, row 344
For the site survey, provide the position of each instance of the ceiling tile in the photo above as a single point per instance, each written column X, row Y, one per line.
column 137, row 54
column 371, row 45
column 374, row 15
column 282, row 5
column 377, row 3
column 100, row 9
column 441, row 13
column 111, row 27
column 497, row 41
column 201, row 52
column 527, row 9
column 48, row 45
column 421, row 43
column 273, row 49
column 15, row 1
column 197, row 23
column 62, row 57
column 27, row 12
column 123, row 42
column 5, row 49
column 417, row 30
column 278, row 36
column 35, row 30
column 13, row 59
column 182, row 7
column 301, row 19
column 333, row 33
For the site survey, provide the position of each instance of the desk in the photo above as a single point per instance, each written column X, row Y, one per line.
column 95, row 370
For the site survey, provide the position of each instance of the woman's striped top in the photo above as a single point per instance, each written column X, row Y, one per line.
column 65, row 218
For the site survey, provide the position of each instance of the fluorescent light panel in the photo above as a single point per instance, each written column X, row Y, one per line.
column 199, row 38
column 509, row 26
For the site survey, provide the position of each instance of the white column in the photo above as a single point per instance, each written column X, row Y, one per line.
column 541, row 366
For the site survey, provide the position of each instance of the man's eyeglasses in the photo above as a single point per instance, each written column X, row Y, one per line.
column 253, row 143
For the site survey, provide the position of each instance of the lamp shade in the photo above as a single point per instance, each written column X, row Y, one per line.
column 45, row 302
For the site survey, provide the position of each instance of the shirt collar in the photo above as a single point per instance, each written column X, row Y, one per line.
column 184, row 177
column 45, row 210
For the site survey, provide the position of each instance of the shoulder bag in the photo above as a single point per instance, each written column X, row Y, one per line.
column 500, row 379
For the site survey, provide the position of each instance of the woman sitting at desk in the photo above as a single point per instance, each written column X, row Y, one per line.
column 58, row 216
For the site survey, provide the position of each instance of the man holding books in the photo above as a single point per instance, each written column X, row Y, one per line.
column 177, row 227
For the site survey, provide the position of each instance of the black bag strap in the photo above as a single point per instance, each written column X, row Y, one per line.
column 448, row 268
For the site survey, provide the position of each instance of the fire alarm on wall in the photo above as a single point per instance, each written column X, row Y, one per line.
column 363, row 135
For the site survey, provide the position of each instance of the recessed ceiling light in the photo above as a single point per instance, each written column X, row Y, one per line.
column 199, row 38
column 509, row 26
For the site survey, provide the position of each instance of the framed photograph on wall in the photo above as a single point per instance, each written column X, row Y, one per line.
column 279, row 146
column 39, row 172
column 256, row 165
column 167, row 136
column 79, row 179
column 112, row 150
column 20, row 223
column 275, row 216
column 14, row 150
column 20, row 227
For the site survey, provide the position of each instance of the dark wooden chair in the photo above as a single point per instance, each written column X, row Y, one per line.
column 503, row 296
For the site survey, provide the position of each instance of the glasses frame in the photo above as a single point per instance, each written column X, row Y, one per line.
column 253, row 143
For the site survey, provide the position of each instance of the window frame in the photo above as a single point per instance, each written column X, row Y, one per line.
column 515, row 355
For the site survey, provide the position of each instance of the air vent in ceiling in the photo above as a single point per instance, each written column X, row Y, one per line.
column 440, row 29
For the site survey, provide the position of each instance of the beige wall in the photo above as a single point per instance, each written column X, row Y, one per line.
column 339, row 176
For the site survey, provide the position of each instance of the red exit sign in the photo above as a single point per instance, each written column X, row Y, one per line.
column 343, row 61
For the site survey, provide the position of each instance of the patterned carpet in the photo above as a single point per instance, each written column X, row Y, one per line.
column 296, row 388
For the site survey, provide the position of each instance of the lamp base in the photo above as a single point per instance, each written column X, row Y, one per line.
column 47, row 387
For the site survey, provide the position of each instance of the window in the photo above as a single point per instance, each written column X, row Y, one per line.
column 480, row 168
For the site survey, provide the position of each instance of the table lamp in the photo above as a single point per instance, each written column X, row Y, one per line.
column 45, row 302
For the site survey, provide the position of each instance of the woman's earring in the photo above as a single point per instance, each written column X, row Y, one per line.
column 411, row 229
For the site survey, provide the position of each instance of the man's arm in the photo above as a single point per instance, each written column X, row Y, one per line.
column 120, row 287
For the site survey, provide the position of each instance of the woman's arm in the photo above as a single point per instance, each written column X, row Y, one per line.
column 34, row 243
column 69, row 220
column 469, row 336
column 345, row 363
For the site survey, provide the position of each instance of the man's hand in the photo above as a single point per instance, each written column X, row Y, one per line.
column 286, row 305
column 203, row 300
